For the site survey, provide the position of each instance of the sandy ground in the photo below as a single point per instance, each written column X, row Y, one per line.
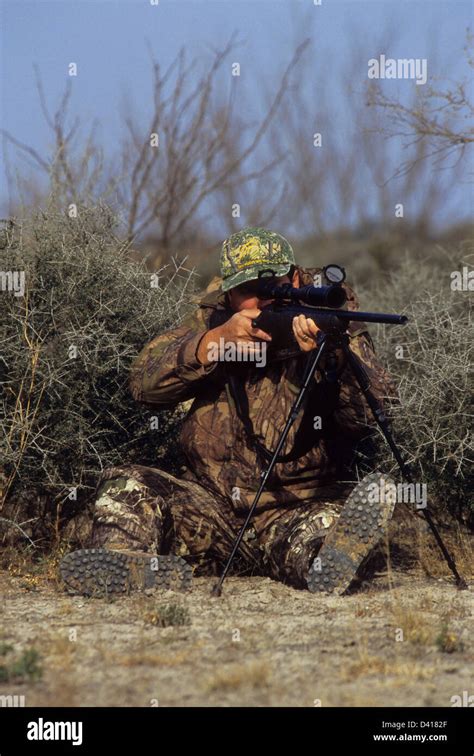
column 400, row 640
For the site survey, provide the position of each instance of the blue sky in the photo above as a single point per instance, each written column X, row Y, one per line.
column 107, row 41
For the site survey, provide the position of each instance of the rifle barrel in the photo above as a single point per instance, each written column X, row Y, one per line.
column 371, row 317
column 356, row 315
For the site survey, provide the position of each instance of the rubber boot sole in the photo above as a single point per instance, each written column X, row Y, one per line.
column 361, row 525
column 100, row 572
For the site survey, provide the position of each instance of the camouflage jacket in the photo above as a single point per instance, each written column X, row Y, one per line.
column 216, row 441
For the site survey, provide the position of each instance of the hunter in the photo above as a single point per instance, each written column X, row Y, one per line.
column 314, row 526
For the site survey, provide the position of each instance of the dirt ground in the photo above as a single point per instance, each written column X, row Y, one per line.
column 401, row 639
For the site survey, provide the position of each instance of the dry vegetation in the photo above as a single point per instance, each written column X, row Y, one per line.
column 65, row 409
column 65, row 415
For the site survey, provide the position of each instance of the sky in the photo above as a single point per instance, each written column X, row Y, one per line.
column 107, row 39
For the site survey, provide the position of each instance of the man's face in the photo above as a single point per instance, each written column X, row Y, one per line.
column 244, row 297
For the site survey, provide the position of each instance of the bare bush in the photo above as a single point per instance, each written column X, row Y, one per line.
column 213, row 155
column 438, row 120
column 431, row 358
column 65, row 409
column 165, row 168
column 355, row 179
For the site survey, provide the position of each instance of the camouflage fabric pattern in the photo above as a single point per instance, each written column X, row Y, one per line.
column 215, row 442
column 146, row 509
column 245, row 254
column 199, row 516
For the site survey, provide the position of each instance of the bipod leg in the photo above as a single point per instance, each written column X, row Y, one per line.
column 309, row 373
column 382, row 422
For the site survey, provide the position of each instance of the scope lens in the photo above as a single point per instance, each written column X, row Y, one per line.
column 336, row 297
column 335, row 274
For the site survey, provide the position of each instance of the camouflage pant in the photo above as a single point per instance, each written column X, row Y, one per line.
column 146, row 509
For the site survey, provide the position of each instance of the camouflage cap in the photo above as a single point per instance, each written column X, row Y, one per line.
column 248, row 252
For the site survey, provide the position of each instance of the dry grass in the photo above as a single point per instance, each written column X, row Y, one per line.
column 459, row 542
column 167, row 615
column 35, row 569
column 368, row 665
column 412, row 544
column 145, row 658
column 448, row 641
column 415, row 626
column 254, row 675
column 426, row 623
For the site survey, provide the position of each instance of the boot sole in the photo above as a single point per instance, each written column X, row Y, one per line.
column 361, row 526
column 100, row 572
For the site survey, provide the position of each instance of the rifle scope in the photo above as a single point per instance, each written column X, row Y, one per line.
column 317, row 296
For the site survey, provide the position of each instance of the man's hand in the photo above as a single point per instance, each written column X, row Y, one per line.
column 237, row 329
column 305, row 331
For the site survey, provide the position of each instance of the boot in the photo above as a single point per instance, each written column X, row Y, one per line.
column 100, row 572
column 360, row 527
